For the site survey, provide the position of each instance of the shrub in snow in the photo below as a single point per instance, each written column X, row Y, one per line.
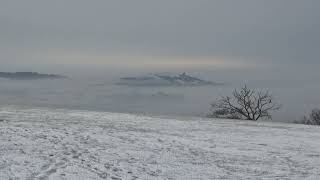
column 313, row 119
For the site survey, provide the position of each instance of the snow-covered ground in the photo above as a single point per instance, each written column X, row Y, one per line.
column 64, row 144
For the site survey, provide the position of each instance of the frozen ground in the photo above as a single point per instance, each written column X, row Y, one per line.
column 62, row 144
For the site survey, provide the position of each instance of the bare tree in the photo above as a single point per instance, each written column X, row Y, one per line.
column 313, row 119
column 246, row 104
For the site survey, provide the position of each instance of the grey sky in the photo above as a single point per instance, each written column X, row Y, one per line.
column 201, row 31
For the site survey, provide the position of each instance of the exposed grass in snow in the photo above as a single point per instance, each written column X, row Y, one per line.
column 62, row 144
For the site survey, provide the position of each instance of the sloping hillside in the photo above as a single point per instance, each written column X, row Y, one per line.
column 62, row 144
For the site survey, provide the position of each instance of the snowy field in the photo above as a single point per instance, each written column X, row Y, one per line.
column 76, row 145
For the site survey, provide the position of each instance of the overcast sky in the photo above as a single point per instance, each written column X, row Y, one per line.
column 226, row 33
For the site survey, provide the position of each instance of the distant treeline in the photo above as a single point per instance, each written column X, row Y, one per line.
column 29, row 75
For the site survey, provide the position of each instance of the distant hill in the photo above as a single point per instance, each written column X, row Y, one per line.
column 164, row 80
column 29, row 76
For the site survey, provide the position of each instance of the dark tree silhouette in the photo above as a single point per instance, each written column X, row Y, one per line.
column 246, row 104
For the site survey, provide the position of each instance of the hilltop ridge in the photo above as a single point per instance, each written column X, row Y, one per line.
column 165, row 79
column 29, row 76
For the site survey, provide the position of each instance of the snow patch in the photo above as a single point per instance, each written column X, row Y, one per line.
column 64, row 144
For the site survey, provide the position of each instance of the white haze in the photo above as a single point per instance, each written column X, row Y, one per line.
column 91, row 88
column 267, row 44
